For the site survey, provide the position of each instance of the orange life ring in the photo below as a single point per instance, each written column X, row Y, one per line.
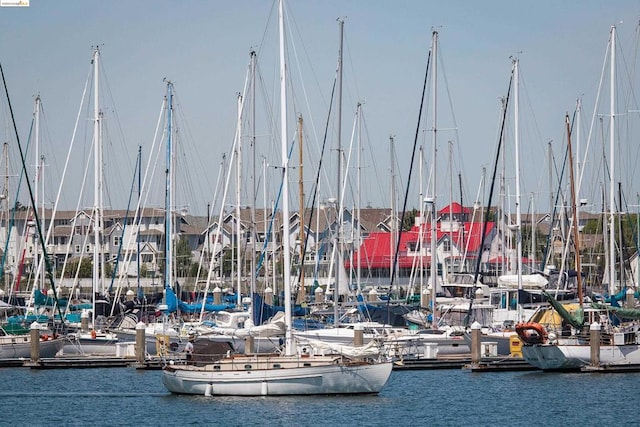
column 531, row 333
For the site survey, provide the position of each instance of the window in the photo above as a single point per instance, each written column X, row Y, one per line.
column 446, row 246
column 88, row 248
column 77, row 248
column 116, row 240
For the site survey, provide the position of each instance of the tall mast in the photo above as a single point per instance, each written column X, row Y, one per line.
column 503, row 192
column 517, row 154
column 168, row 220
column 139, row 292
column 285, row 188
column 434, row 230
column 339, row 179
column 35, row 185
column 576, row 236
column 358, row 199
column 612, row 163
column 97, row 183
column 394, row 224
column 301, row 237
column 253, row 172
column 239, row 240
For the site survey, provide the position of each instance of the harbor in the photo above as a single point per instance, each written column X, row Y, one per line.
column 214, row 227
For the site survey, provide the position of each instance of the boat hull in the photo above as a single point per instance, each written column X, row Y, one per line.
column 335, row 378
column 567, row 357
column 19, row 347
column 104, row 345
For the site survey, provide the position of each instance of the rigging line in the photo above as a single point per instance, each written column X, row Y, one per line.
column 124, row 228
column 406, row 194
column 297, row 62
column 315, row 189
column 273, row 216
column 559, row 194
column 485, row 220
column 68, row 160
column 210, row 212
column 372, row 158
column 554, row 215
column 73, row 228
column 35, row 213
column 15, row 208
column 355, row 81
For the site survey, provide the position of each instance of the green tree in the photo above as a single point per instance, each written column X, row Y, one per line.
column 86, row 268
column 183, row 257
column 409, row 219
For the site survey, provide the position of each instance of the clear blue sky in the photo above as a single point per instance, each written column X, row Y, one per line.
column 202, row 46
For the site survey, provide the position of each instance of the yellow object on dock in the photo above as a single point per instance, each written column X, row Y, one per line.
column 515, row 346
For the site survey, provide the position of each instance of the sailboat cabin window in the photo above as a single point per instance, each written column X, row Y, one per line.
column 247, row 366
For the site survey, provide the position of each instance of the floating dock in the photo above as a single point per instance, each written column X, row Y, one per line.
column 611, row 368
column 500, row 365
column 494, row 363
column 89, row 361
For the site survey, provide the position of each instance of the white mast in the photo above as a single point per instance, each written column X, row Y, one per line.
column 517, row 154
column 168, row 222
column 338, row 241
column 37, row 176
column 238, row 185
column 394, row 224
column 97, row 184
column 253, row 173
column 612, row 163
column 358, row 198
column 434, row 230
column 285, row 188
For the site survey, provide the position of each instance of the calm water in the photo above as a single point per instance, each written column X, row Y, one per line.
column 125, row 396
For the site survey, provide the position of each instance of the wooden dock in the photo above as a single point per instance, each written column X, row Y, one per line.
column 451, row 362
column 87, row 362
column 487, row 364
column 507, row 364
column 611, row 369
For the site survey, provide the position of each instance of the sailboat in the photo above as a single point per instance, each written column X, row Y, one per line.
column 95, row 341
column 570, row 348
column 291, row 373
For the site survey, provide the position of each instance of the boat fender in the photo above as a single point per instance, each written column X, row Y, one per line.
column 44, row 337
column 93, row 334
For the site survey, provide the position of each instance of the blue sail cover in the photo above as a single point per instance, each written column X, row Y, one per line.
column 174, row 304
column 171, row 300
column 263, row 311
column 197, row 307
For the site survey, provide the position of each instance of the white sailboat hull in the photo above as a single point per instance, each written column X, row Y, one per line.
column 19, row 347
column 81, row 344
column 327, row 376
column 564, row 357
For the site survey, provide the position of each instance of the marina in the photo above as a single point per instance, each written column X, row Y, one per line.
column 339, row 269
